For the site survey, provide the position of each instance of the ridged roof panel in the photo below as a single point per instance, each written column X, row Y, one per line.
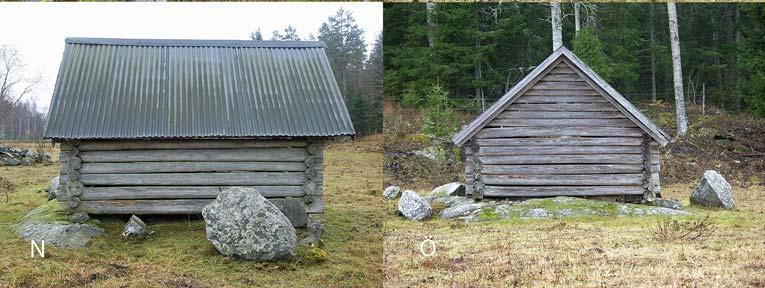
column 139, row 88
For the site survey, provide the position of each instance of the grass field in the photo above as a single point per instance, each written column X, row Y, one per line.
column 582, row 252
column 180, row 255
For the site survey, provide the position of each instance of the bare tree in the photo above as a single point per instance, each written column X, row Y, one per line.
column 15, row 82
column 677, row 71
column 653, row 52
column 555, row 20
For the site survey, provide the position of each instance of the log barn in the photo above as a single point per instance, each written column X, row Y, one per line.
column 162, row 126
column 562, row 131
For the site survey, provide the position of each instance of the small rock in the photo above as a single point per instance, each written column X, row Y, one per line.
column 449, row 189
column 413, row 207
column 26, row 161
column 538, row 213
column 52, row 188
column 315, row 230
column 79, row 217
column 242, row 223
column 135, row 228
column 9, row 161
column 463, row 209
column 391, row 192
column 64, row 235
column 668, row 203
column 713, row 191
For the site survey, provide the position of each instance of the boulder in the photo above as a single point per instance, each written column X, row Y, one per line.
column 713, row 191
column 668, row 203
column 60, row 234
column 449, row 189
column 26, row 161
column 464, row 208
column 52, row 188
column 391, row 192
column 9, row 161
column 242, row 223
column 79, row 217
column 134, row 229
column 413, row 207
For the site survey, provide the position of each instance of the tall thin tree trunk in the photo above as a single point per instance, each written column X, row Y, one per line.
column 704, row 99
column 557, row 33
column 478, row 72
column 653, row 53
column 677, row 70
column 430, row 6
column 577, row 24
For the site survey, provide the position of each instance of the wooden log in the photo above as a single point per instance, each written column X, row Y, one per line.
column 314, row 205
column 63, row 156
column 561, row 99
column 469, row 166
column 547, row 191
column 623, row 122
column 111, row 145
column 552, row 180
column 559, row 115
column 562, row 77
column 180, row 192
column 245, row 155
column 558, row 150
column 313, row 188
column 557, row 131
column 564, row 159
column 206, row 179
column 560, row 92
column 561, row 70
column 75, row 163
column 561, row 169
column 573, row 107
column 618, row 141
column 562, row 85
column 169, row 167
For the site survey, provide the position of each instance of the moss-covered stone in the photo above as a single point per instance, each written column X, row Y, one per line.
column 47, row 212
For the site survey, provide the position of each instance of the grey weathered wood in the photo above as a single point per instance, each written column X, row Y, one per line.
column 559, row 115
column 179, row 192
column 562, row 70
column 314, row 205
column 248, row 154
column 168, row 167
column 561, row 169
column 313, row 188
column 561, row 99
column 547, row 191
column 562, row 77
column 573, row 107
column 561, row 123
column 558, row 150
column 105, row 145
column 619, row 141
column 75, row 163
column 552, row 180
column 564, row 159
column 649, row 194
column 207, row 179
column 469, row 166
column 557, row 131
column 562, row 85
column 560, row 92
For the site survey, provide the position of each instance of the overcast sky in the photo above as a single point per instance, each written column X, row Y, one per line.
column 38, row 30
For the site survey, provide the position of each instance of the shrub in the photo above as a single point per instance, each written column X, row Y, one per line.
column 669, row 229
column 439, row 119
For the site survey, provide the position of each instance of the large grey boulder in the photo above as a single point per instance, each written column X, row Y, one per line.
column 713, row 191
column 134, row 229
column 242, row 223
column 52, row 188
column 391, row 192
column 9, row 161
column 413, row 207
column 60, row 234
column 449, row 189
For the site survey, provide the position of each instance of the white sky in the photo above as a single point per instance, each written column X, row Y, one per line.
column 38, row 30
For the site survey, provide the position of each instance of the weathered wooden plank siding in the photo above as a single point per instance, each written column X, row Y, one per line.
column 561, row 137
column 174, row 176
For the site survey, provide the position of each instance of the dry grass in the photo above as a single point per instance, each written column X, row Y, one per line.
column 591, row 252
column 181, row 256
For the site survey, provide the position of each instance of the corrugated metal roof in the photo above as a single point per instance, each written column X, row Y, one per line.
column 141, row 88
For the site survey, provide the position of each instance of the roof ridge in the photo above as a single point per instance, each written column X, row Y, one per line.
column 195, row 42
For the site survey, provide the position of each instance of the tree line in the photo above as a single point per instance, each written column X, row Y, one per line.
column 478, row 51
column 19, row 118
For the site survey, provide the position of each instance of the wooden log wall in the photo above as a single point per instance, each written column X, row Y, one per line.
column 562, row 138
column 182, row 176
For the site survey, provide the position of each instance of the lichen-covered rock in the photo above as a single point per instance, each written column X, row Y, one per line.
column 242, row 223
column 134, row 229
column 391, row 192
column 449, row 189
column 464, row 208
column 9, row 161
column 315, row 230
column 563, row 207
column 79, row 217
column 27, row 161
column 49, row 223
column 53, row 187
column 713, row 191
column 413, row 207
column 668, row 203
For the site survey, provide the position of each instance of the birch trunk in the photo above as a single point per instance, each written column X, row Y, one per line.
column 653, row 53
column 430, row 7
column 577, row 24
column 557, row 34
column 677, row 72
